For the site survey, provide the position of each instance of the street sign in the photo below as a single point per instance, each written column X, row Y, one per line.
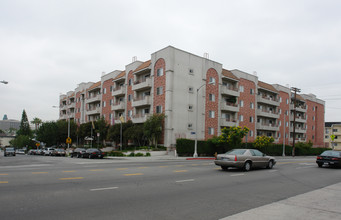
column 68, row 140
column 37, row 144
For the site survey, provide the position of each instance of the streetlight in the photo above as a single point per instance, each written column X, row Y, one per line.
column 196, row 124
column 4, row 82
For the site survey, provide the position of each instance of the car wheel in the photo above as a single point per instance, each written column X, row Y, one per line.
column 320, row 164
column 78, row 156
column 224, row 168
column 89, row 156
column 270, row 164
column 247, row 166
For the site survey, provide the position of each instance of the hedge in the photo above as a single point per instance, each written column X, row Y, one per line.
column 185, row 147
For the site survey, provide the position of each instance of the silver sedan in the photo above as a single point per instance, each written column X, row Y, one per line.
column 245, row 159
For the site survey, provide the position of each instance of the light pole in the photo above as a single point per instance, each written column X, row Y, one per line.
column 196, row 124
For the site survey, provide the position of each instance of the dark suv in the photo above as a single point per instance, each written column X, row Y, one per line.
column 9, row 151
column 78, row 152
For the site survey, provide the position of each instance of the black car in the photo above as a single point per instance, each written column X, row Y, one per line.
column 9, row 151
column 78, row 152
column 58, row 152
column 329, row 157
column 93, row 153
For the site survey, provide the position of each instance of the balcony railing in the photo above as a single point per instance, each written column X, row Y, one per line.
column 140, row 118
column 268, row 126
column 267, row 113
column 142, row 84
column 228, row 106
column 230, row 90
column 118, row 106
column 268, row 100
column 118, row 91
column 141, row 101
column 228, row 122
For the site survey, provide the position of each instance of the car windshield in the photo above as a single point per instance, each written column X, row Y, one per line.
column 10, row 149
column 331, row 154
column 236, row 152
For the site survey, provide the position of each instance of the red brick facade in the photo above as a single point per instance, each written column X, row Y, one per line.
column 211, row 121
column 245, row 111
column 159, row 81
column 130, row 81
column 107, row 99
column 315, row 123
column 284, row 107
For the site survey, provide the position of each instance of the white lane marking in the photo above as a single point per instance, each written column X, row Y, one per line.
column 27, row 166
column 100, row 189
column 182, row 181
column 297, row 168
column 271, row 171
column 241, row 174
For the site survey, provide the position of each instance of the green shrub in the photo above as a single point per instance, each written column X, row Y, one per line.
column 139, row 155
column 148, row 154
column 116, row 154
column 132, row 154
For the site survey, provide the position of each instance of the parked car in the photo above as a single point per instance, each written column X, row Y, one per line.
column 245, row 159
column 48, row 151
column 9, row 151
column 20, row 151
column 32, row 152
column 58, row 152
column 93, row 153
column 329, row 157
column 78, row 152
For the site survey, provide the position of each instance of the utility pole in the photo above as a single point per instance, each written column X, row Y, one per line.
column 296, row 90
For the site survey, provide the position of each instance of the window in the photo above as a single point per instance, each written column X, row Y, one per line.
column 159, row 72
column 130, row 113
column 313, row 127
column 287, row 101
column 159, row 91
column 211, row 114
column 190, row 107
column 190, row 89
column 313, row 118
column 279, row 123
column 241, row 118
column 251, row 119
column 280, row 99
column 211, row 131
column 241, row 103
column 251, row 105
column 212, row 97
column 145, row 111
column 313, row 108
column 241, row 88
column 251, row 133
column 287, row 124
column 326, row 136
column 159, row 109
column 129, row 98
column 105, row 91
column 104, row 103
column 252, row 91
column 130, row 82
column 110, row 88
column 335, row 130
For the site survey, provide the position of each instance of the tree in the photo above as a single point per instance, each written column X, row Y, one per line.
column 36, row 122
column 135, row 133
column 22, row 141
column 233, row 135
column 47, row 133
column 24, row 126
column 263, row 141
column 153, row 128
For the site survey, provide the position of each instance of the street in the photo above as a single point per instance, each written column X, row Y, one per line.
column 39, row 187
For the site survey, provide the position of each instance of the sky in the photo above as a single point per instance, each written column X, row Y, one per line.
column 48, row 47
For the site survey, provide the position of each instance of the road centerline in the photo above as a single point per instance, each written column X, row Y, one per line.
column 240, row 174
column 182, row 181
column 102, row 189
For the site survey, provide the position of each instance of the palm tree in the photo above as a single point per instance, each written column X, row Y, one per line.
column 36, row 122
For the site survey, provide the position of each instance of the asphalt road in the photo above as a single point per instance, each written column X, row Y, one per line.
column 38, row 187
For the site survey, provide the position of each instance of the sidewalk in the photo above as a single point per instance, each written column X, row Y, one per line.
column 318, row 204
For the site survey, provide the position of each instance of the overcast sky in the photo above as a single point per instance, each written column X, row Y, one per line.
column 47, row 47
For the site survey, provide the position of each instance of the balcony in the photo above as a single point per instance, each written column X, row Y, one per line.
column 228, row 106
column 230, row 90
column 267, row 126
column 301, row 108
column 96, row 98
column 118, row 91
column 147, row 100
column 118, row 106
column 94, row 111
column 298, row 119
column 268, row 114
column 140, row 118
column 142, row 84
column 298, row 130
column 228, row 122
column 267, row 100
column 303, row 139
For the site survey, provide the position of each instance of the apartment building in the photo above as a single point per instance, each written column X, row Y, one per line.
column 199, row 97
column 333, row 129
